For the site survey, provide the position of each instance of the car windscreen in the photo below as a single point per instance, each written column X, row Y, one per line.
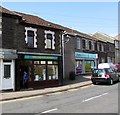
column 98, row 72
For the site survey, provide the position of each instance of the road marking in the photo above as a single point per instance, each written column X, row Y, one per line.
column 73, row 89
column 94, row 97
column 56, row 93
column 21, row 99
column 27, row 98
column 48, row 111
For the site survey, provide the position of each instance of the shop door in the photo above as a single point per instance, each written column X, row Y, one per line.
column 7, row 76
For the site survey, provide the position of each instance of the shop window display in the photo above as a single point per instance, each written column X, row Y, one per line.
column 52, row 72
column 88, row 66
column 45, row 70
column 78, row 67
column 39, row 72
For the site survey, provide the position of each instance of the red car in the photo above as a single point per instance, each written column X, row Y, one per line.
column 118, row 67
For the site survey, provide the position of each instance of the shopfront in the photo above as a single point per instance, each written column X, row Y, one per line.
column 85, row 62
column 43, row 71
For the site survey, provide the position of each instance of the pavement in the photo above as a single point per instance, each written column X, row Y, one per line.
column 80, row 81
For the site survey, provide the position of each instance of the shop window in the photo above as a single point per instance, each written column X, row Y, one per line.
column 52, row 72
column 50, row 62
column 88, row 66
column 49, row 40
column 36, row 62
column 45, row 70
column 78, row 67
column 30, row 37
column 39, row 72
column 42, row 62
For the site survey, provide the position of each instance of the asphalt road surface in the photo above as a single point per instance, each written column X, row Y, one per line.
column 89, row 99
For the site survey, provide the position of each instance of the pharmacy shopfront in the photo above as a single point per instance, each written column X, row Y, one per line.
column 43, row 70
column 85, row 62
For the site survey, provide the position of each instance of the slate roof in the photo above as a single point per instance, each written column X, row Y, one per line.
column 38, row 21
column 31, row 19
column 117, row 37
column 6, row 11
column 103, row 37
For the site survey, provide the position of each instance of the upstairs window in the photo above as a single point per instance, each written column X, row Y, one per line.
column 90, row 45
column 95, row 44
column 49, row 40
column 100, row 47
column 78, row 43
column 83, row 44
column 30, row 37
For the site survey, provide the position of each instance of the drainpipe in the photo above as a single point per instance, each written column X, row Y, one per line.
column 63, row 56
column 64, row 33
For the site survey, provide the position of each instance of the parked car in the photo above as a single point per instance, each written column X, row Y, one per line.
column 106, row 72
column 118, row 68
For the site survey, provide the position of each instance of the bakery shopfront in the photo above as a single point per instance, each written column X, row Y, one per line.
column 43, row 71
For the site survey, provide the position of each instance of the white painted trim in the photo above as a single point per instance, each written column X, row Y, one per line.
column 13, row 73
column 53, row 40
column 1, row 73
column 35, row 35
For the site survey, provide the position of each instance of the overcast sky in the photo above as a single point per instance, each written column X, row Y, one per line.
column 87, row 17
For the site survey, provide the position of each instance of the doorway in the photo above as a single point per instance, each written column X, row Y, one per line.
column 7, row 79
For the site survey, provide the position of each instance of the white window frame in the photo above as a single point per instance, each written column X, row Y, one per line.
column 53, row 39
column 102, row 47
column 93, row 45
column 35, row 35
column 86, row 44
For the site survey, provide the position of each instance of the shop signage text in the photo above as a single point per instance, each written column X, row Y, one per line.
column 85, row 55
column 41, row 57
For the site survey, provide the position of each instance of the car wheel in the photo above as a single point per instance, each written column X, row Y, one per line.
column 111, row 82
column 94, row 83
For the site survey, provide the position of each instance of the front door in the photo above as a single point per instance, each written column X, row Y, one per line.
column 7, row 76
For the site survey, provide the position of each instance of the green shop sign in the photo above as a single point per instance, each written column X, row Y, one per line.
column 85, row 55
column 41, row 57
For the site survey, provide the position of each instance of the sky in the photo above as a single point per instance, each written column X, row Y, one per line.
column 86, row 17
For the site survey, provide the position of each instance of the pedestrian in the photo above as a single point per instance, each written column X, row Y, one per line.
column 25, row 79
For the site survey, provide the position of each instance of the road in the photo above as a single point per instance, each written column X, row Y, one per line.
column 89, row 99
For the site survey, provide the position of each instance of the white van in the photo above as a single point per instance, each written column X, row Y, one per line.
column 106, row 72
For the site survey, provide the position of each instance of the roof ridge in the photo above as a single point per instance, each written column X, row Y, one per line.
column 5, row 10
